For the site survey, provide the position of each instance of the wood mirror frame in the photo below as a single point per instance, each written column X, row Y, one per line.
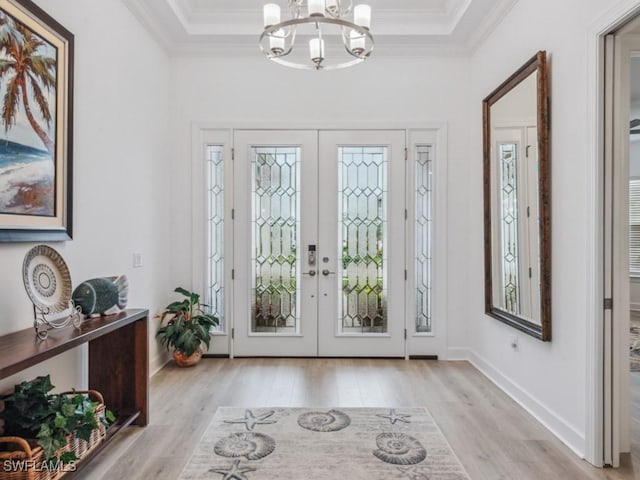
column 536, row 327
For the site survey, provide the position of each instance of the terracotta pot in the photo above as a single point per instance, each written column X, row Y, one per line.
column 183, row 360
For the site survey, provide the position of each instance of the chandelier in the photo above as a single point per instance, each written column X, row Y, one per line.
column 333, row 41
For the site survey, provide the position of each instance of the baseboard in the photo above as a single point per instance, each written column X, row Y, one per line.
column 555, row 424
column 457, row 353
column 156, row 364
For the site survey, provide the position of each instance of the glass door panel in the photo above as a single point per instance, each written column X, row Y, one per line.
column 362, row 230
column 275, row 228
column 361, row 243
column 423, row 166
column 214, row 295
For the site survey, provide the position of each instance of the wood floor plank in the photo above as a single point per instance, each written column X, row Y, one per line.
column 492, row 436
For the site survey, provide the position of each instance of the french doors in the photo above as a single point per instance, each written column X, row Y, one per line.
column 319, row 243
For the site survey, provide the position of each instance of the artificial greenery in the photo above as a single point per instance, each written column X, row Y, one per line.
column 32, row 412
column 187, row 324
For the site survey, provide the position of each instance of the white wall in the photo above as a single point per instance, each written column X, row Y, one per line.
column 547, row 378
column 120, row 170
column 254, row 91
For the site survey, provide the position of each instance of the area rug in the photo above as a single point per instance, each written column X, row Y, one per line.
column 317, row 444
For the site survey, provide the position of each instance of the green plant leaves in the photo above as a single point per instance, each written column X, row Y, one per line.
column 32, row 412
column 182, row 291
column 68, row 409
column 187, row 325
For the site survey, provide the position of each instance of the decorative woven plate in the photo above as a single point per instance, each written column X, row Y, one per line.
column 46, row 279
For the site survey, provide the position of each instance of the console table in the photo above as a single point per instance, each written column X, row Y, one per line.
column 118, row 363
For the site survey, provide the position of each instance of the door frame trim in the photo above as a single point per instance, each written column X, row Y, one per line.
column 201, row 130
column 221, row 341
column 594, row 353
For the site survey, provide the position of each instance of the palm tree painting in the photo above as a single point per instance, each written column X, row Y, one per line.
column 28, row 120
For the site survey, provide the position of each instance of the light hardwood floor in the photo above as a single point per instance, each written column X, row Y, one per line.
column 493, row 437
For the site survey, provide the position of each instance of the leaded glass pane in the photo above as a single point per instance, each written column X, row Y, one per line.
column 275, row 236
column 423, row 223
column 363, row 234
column 509, row 217
column 215, row 222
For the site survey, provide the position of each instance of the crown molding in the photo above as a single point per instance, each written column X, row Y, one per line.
column 184, row 29
column 491, row 21
column 149, row 20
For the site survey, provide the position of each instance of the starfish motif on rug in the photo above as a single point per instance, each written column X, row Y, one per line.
column 250, row 420
column 395, row 417
column 235, row 472
column 413, row 473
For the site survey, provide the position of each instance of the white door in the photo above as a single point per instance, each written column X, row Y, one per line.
column 319, row 243
column 276, row 220
column 361, row 243
column 620, row 49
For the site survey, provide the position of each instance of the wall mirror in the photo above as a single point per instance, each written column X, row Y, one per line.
column 517, row 207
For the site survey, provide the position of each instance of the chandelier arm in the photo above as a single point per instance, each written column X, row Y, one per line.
column 294, row 22
column 294, row 31
column 301, row 66
column 346, row 39
column 299, row 21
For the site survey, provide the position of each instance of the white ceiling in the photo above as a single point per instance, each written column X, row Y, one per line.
column 400, row 27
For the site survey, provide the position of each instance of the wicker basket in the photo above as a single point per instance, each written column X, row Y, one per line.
column 26, row 461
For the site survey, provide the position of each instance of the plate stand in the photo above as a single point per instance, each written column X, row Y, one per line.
column 42, row 324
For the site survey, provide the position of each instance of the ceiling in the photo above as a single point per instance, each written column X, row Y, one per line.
column 400, row 27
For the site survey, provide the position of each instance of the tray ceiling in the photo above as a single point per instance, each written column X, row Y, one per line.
column 400, row 27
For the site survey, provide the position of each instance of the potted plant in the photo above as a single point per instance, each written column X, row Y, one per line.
column 53, row 420
column 185, row 327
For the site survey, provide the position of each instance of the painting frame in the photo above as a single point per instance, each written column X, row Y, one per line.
column 18, row 221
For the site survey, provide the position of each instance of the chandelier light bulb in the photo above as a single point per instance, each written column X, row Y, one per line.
column 357, row 42
column 276, row 42
column 271, row 14
column 316, row 8
column 316, row 50
column 362, row 16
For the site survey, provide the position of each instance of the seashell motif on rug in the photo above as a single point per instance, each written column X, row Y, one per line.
column 250, row 445
column 399, row 449
column 331, row 421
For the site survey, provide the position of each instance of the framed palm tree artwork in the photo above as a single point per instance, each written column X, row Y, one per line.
column 36, row 127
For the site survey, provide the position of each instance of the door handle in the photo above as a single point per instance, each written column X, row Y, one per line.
column 326, row 272
column 312, row 273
